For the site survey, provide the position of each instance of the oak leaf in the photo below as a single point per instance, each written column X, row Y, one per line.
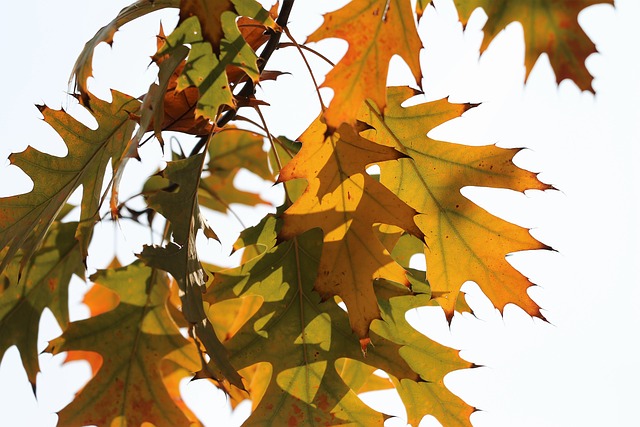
column 134, row 340
column 206, row 69
column 180, row 259
column 464, row 242
column 230, row 150
column 307, row 342
column 209, row 13
column 550, row 26
column 82, row 69
column 345, row 202
column 375, row 30
column 44, row 284
column 89, row 153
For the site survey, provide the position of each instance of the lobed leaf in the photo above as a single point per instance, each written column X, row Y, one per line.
column 82, row 69
column 55, row 178
column 345, row 202
column 134, row 340
column 375, row 30
column 220, row 47
column 464, row 242
column 308, row 342
column 550, row 26
column 44, row 284
column 230, row 150
column 180, row 259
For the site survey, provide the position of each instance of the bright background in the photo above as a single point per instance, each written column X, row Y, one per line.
column 580, row 369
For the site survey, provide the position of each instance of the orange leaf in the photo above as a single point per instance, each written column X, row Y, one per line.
column 345, row 202
column 550, row 26
column 99, row 300
column 375, row 30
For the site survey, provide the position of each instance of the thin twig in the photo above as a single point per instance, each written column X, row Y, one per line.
column 304, row 58
column 307, row 48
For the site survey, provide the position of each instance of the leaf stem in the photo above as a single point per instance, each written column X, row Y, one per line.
column 304, row 58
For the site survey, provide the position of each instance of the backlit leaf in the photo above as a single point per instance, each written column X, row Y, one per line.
column 307, row 342
column 207, row 63
column 44, row 284
column 550, row 26
column 464, row 242
column 133, row 340
column 345, row 202
column 375, row 30
column 89, row 153
column 180, row 259
column 82, row 69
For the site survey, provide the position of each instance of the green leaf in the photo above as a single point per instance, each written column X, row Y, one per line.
column 230, row 150
column 180, row 259
column 207, row 71
column 55, row 178
column 307, row 341
column 44, row 284
column 428, row 395
column 133, row 340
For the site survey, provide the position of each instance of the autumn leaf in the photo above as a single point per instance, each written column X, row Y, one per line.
column 90, row 151
column 307, row 341
column 375, row 30
column 176, row 111
column 209, row 13
column 550, row 26
column 345, row 202
column 44, row 284
column 205, row 68
column 98, row 300
column 464, row 242
column 133, row 339
column 180, row 259
column 230, row 150
column 82, row 69
column 429, row 395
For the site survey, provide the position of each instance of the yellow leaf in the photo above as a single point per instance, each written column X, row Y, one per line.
column 345, row 202
column 464, row 241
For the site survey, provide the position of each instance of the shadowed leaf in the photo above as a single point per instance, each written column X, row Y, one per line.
column 180, row 259
column 44, row 284
column 345, row 202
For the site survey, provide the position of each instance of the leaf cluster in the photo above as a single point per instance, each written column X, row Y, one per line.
column 318, row 303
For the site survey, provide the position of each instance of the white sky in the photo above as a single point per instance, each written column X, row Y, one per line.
column 581, row 369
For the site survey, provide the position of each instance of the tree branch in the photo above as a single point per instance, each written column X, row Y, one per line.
column 248, row 89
